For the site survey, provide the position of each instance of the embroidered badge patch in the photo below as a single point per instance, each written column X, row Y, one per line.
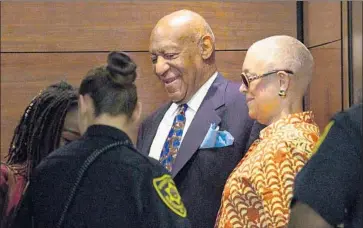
column 166, row 189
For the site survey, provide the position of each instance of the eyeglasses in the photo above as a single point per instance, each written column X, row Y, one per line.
column 247, row 80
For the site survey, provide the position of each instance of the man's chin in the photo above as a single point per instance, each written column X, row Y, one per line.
column 177, row 98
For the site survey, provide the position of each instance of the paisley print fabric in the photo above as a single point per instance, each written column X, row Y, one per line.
column 259, row 190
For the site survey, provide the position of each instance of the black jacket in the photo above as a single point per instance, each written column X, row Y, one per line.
column 122, row 188
column 331, row 182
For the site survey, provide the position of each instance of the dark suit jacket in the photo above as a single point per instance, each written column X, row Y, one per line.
column 200, row 174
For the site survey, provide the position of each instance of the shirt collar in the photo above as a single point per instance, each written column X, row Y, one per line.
column 306, row 117
column 197, row 99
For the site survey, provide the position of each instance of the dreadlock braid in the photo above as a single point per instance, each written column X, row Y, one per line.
column 39, row 130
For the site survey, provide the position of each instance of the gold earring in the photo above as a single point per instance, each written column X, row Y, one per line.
column 282, row 93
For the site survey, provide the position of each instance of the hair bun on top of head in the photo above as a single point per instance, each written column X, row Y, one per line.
column 59, row 86
column 121, row 67
column 63, row 85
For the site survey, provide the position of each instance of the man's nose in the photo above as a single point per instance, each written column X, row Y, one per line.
column 161, row 66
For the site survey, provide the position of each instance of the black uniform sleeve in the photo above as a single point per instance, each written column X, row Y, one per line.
column 330, row 181
column 162, row 205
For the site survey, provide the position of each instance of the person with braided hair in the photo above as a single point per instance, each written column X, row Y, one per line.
column 48, row 122
column 101, row 180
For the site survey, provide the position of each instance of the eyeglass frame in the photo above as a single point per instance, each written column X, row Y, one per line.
column 249, row 80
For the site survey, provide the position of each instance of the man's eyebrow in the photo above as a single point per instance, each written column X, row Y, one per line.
column 71, row 131
column 164, row 49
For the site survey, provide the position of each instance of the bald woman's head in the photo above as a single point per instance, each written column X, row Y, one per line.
column 283, row 53
column 182, row 52
column 278, row 71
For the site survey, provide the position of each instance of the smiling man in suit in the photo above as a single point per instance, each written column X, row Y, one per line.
column 182, row 47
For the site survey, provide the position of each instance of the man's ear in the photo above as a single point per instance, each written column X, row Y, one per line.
column 206, row 46
column 136, row 115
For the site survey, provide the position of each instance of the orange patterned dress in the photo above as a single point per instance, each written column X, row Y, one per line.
column 259, row 190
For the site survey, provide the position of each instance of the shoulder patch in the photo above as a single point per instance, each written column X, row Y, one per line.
column 167, row 191
column 323, row 136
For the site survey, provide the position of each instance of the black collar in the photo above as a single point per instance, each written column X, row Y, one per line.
column 106, row 131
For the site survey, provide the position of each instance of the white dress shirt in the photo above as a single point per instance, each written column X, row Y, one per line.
column 168, row 119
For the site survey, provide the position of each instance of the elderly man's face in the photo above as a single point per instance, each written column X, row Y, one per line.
column 176, row 61
column 262, row 94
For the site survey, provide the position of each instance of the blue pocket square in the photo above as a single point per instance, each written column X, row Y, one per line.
column 215, row 138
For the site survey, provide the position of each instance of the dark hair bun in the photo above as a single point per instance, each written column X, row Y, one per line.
column 64, row 85
column 121, row 67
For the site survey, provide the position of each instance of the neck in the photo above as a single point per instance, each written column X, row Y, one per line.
column 208, row 72
column 120, row 122
column 205, row 75
column 289, row 108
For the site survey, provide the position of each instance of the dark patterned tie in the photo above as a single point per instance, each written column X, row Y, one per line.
column 172, row 143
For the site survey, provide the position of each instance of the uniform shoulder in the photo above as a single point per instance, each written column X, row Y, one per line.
column 141, row 162
column 70, row 149
column 353, row 114
column 350, row 121
column 160, row 191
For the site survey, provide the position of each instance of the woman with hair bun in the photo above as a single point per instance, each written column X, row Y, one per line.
column 101, row 180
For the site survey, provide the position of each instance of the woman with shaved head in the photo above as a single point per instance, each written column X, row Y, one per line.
column 275, row 75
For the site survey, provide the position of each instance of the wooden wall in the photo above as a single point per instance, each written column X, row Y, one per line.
column 44, row 42
column 357, row 51
column 323, row 36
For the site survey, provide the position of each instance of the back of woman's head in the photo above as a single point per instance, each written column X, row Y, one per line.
column 112, row 87
column 39, row 130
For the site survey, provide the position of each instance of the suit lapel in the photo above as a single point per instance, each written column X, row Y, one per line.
column 205, row 116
